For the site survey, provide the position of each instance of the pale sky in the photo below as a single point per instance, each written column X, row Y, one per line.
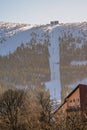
column 43, row 11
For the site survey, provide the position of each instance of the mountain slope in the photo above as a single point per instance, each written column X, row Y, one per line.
column 66, row 43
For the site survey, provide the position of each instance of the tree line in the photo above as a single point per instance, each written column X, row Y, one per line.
column 28, row 65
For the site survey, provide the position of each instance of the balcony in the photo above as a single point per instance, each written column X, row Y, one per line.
column 73, row 108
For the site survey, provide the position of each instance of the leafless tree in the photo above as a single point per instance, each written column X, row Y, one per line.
column 11, row 105
column 46, row 115
column 73, row 121
column 26, row 110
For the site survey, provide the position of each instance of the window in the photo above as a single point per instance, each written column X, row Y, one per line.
column 70, row 100
column 78, row 100
column 73, row 100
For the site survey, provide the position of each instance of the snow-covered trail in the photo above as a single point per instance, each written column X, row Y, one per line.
column 54, row 84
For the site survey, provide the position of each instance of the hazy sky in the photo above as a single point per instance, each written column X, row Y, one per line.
column 43, row 11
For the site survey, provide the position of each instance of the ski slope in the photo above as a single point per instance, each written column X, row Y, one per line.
column 12, row 35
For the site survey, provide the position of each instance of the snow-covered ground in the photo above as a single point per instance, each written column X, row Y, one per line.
column 79, row 63
column 54, row 63
column 13, row 35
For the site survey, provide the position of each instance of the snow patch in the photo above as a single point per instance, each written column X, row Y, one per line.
column 79, row 63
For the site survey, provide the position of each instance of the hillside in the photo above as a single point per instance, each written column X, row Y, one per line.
column 51, row 54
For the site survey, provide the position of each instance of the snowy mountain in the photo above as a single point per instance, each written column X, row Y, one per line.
column 67, row 46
